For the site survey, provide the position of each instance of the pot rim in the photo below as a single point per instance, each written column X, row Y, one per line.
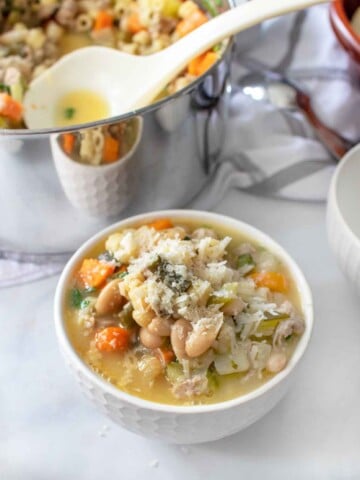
column 43, row 132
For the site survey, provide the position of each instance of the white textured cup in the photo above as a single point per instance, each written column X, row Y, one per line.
column 100, row 191
column 343, row 215
column 182, row 424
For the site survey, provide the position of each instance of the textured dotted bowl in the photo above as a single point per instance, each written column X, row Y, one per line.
column 181, row 424
column 343, row 215
column 99, row 191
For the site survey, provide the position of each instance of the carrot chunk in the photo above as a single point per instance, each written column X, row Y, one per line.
column 274, row 281
column 94, row 273
column 165, row 355
column 161, row 224
column 202, row 63
column 189, row 24
column 111, row 149
column 68, row 142
column 103, row 20
column 112, row 339
column 134, row 24
column 10, row 108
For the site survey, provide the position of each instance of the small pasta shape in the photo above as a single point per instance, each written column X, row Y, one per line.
column 83, row 23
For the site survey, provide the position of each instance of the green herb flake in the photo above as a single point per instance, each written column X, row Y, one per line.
column 84, row 304
column 187, row 238
column 90, row 290
column 123, row 274
column 234, row 365
column 217, row 48
column 210, row 7
column 76, row 298
column 5, row 88
column 69, row 113
column 245, row 259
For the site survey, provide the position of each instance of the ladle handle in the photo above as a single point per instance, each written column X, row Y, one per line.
column 229, row 23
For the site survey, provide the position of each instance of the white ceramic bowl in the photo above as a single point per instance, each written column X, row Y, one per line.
column 343, row 215
column 177, row 424
column 99, row 191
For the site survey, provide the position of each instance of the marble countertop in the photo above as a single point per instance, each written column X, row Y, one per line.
column 48, row 431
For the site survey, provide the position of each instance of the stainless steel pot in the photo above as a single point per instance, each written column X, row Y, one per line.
column 182, row 137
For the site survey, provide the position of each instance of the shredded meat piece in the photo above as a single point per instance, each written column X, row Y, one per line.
column 167, row 25
column 66, row 13
column 196, row 385
column 287, row 328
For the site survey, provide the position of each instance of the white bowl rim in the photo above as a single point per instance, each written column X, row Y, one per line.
column 248, row 230
column 333, row 197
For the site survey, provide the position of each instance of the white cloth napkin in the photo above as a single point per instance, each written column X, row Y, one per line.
column 266, row 152
column 274, row 152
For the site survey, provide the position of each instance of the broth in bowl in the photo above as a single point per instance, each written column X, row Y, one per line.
column 182, row 313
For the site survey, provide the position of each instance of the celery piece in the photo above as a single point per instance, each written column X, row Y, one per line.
column 17, row 91
column 271, row 321
column 245, row 259
column 213, row 380
column 228, row 292
column 174, row 372
column 171, row 8
column 125, row 316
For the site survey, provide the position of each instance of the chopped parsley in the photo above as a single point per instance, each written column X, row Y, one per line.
column 5, row 88
column 123, row 274
column 76, row 298
column 84, row 304
column 170, row 277
column 69, row 113
column 245, row 259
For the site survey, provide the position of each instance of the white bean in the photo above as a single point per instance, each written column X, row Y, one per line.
column 160, row 326
column 150, row 340
column 178, row 336
column 110, row 300
column 276, row 362
column 200, row 340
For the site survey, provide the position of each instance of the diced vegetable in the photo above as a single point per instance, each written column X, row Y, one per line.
column 228, row 293
column 103, row 20
column 68, row 142
column 17, row 91
column 202, row 63
column 190, row 23
column 75, row 298
column 112, row 339
column 134, row 24
column 94, row 273
column 111, row 149
column 271, row 322
column 125, row 316
column 236, row 361
column 213, row 380
column 274, row 281
column 10, row 108
column 245, row 260
column 171, row 8
column 165, row 355
column 174, row 372
column 161, row 224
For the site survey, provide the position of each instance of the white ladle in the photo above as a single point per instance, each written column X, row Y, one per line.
column 129, row 82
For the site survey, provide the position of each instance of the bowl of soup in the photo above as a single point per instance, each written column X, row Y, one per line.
column 183, row 325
